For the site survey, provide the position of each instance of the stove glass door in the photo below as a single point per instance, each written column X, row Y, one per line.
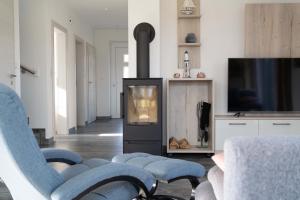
column 142, row 105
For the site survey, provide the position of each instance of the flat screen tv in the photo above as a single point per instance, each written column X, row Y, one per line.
column 264, row 85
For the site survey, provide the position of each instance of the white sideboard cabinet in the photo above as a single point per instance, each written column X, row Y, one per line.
column 228, row 126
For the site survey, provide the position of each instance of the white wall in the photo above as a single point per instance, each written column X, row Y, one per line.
column 9, row 43
column 222, row 37
column 33, row 54
column 103, row 39
column 36, row 18
column 144, row 11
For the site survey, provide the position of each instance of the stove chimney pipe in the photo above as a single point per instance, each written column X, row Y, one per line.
column 144, row 34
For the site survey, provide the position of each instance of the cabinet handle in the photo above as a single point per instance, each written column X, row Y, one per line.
column 237, row 124
column 281, row 124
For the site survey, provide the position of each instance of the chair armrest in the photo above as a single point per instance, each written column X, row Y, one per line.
column 60, row 155
column 262, row 168
column 82, row 184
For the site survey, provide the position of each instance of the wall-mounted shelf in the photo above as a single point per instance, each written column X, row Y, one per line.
column 189, row 44
column 189, row 17
column 188, row 24
column 183, row 95
column 189, row 79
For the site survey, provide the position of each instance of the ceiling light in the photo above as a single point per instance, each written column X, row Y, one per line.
column 188, row 7
column 106, row 9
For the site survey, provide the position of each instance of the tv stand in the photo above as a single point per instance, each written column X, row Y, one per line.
column 228, row 126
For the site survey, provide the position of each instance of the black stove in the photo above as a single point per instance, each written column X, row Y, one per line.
column 142, row 101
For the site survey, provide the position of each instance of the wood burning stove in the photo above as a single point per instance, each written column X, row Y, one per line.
column 142, row 123
column 142, row 101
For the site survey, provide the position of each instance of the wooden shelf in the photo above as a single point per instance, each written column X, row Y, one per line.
column 190, row 17
column 190, row 79
column 194, row 149
column 187, row 24
column 189, row 44
column 183, row 95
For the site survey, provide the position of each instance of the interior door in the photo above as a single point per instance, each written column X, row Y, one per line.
column 91, row 62
column 8, row 68
column 120, row 65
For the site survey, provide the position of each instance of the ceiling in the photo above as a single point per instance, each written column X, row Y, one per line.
column 102, row 13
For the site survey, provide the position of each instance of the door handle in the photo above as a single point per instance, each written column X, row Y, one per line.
column 281, row 124
column 237, row 124
column 12, row 76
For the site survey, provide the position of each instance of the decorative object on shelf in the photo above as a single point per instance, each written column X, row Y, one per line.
column 181, row 144
column 184, row 144
column 187, row 69
column 188, row 7
column 203, row 112
column 191, row 38
column 173, row 143
column 201, row 75
column 176, row 75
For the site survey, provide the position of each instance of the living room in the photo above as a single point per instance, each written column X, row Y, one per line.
column 208, row 107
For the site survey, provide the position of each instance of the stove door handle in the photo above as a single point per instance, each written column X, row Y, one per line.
column 122, row 107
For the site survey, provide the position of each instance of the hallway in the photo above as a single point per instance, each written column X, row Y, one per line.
column 103, row 126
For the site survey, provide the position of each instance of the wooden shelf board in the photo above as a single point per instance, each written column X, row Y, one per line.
column 190, row 79
column 194, row 149
column 189, row 44
column 189, row 17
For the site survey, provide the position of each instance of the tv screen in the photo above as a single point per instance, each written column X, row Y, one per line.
column 267, row 85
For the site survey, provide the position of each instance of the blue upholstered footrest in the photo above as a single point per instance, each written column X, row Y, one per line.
column 162, row 168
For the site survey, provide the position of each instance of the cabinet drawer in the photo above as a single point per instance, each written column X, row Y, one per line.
column 279, row 127
column 226, row 129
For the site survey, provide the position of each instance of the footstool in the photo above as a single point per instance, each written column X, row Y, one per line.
column 164, row 169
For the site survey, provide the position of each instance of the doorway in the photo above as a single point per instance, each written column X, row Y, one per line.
column 85, row 82
column 91, row 67
column 119, row 70
column 60, row 79
column 80, row 83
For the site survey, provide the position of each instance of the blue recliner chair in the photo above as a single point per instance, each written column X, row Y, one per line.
column 25, row 171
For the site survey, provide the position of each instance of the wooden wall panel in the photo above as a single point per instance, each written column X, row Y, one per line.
column 296, row 31
column 268, row 30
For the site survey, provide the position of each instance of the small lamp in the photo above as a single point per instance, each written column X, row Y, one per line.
column 188, row 7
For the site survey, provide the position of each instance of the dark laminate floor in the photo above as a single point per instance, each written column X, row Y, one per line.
column 106, row 146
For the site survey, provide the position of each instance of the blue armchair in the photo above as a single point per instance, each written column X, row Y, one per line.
column 25, row 170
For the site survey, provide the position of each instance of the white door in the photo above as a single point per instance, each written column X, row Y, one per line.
column 91, row 64
column 9, row 44
column 119, row 71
